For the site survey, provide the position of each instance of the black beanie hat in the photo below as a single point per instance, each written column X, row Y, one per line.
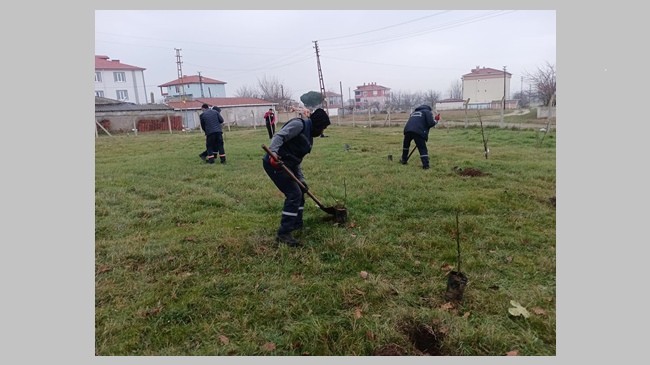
column 319, row 118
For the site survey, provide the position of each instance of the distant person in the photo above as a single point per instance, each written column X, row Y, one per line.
column 417, row 129
column 289, row 146
column 211, row 121
column 269, row 118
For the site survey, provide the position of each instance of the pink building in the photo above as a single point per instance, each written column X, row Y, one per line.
column 371, row 95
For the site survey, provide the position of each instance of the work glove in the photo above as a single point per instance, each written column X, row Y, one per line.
column 305, row 184
column 276, row 164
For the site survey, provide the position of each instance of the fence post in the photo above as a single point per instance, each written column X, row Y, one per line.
column 503, row 100
column 466, row 105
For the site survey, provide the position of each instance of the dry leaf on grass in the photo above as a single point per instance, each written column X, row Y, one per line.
column 224, row 340
column 363, row 274
column 512, row 353
column 539, row 311
column 518, row 310
column 446, row 267
column 447, row 306
column 269, row 346
column 357, row 313
column 103, row 269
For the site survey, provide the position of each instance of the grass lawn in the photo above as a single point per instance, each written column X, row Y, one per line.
column 186, row 262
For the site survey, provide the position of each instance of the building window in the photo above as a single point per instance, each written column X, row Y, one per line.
column 119, row 76
column 122, row 95
column 99, row 93
column 374, row 93
column 98, row 77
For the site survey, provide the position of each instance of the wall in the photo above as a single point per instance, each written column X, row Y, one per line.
column 450, row 106
column 134, row 84
column 244, row 116
column 485, row 89
column 127, row 121
column 209, row 91
column 545, row 112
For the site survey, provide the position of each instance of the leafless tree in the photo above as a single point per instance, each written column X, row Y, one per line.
column 456, row 90
column 272, row 90
column 523, row 97
column 431, row 97
column 396, row 99
column 247, row 92
column 543, row 81
column 410, row 101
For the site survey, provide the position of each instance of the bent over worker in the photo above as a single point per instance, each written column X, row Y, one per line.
column 417, row 129
column 289, row 146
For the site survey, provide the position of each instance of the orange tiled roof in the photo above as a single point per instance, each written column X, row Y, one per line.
column 104, row 63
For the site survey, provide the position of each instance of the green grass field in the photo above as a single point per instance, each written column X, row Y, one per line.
column 186, row 262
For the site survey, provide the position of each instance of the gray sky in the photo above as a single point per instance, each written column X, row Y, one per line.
column 405, row 50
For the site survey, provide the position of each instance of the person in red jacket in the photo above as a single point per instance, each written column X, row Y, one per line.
column 269, row 118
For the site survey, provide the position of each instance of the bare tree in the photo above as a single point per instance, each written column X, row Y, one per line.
column 396, row 99
column 523, row 97
column 456, row 90
column 544, row 83
column 247, row 92
column 431, row 97
column 272, row 90
column 410, row 101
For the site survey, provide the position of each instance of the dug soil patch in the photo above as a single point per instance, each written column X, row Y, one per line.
column 469, row 171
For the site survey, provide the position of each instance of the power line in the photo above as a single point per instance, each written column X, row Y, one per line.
column 390, row 26
column 454, row 24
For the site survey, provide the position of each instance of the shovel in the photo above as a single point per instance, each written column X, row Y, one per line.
column 340, row 213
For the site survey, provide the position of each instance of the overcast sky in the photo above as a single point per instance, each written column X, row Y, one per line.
column 404, row 50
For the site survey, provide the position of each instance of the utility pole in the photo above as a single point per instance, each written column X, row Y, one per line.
column 284, row 104
column 180, row 72
column 504, row 87
column 201, row 83
column 503, row 110
column 320, row 78
column 342, row 106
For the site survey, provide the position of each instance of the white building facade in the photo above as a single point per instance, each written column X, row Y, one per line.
column 484, row 85
column 193, row 87
column 119, row 81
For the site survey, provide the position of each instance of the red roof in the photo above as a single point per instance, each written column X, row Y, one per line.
column 192, row 79
column 220, row 102
column 104, row 63
column 479, row 72
column 371, row 86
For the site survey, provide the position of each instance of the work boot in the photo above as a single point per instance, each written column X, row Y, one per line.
column 425, row 162
column 402, row 161
column 223, row 159
column 203, row 156
column 288, row 240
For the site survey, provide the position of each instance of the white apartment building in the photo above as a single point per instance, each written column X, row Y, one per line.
column 119, row 81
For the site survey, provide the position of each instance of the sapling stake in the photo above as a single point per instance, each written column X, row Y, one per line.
column 485, row 147
column 458, row 240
